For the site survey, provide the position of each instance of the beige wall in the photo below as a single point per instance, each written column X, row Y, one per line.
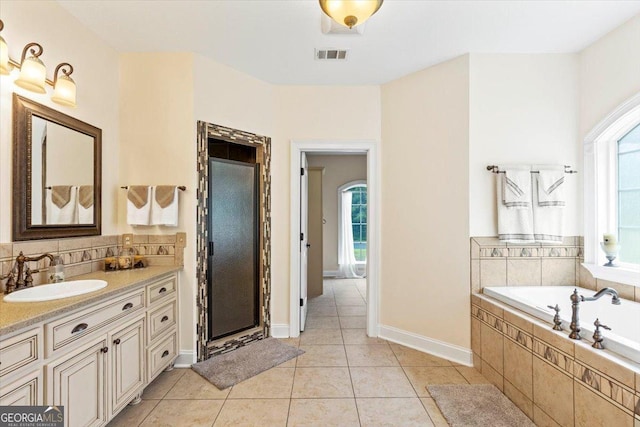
column 158, row 146
column 425, row 203
column 310, row 113
column 63, row 38
column 338, row 170
column 609, row 74
column 523, row 109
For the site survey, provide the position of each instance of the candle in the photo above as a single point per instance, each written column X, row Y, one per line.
column 609, row 239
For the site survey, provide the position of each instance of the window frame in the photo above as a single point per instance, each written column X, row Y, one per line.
column 345, row 187
column 601, row 190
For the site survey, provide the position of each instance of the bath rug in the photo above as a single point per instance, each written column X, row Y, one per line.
column 229, row 369
column 481, row 405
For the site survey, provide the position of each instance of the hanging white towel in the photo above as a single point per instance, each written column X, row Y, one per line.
column 164, row 206
column 550, row 186
column 515, row 225
column 138, row 205
column 516, row 189
column 59, row 213
column 548, row 217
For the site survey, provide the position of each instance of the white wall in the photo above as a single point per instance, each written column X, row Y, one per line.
column 338, row 170
column 523, row 109
column 609, row 74
column 425, row 203
column 63, row 39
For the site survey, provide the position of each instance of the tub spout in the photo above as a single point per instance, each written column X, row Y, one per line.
column 615, row 298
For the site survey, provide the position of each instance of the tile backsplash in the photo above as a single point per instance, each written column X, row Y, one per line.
column 495, row 263
column 86, row 254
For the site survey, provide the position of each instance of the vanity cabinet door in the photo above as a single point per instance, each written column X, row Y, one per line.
column 78, row 382
column 127, row 373
column 26, row 391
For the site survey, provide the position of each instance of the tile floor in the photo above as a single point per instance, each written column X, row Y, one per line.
column 343, row 379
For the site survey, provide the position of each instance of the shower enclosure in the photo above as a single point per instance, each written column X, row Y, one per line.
column 233, row 246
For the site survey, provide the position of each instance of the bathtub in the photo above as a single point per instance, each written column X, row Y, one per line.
column 623, row 319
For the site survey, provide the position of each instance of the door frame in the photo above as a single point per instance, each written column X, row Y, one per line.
column 370, row 149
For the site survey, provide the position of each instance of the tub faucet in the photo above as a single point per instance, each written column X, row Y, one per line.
column 575, row 308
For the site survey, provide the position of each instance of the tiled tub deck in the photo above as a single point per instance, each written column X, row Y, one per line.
column 556, row 381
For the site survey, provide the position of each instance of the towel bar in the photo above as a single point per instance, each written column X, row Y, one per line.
column 495, row 169
column 180, row 187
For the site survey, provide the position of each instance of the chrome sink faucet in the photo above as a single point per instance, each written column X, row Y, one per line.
column 575, row 307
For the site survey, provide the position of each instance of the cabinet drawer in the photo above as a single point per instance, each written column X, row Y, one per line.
column 161, row 290
column 161, row 355
column 27, row 391
column 20, row 350
column 71, row 328
column 161, row 319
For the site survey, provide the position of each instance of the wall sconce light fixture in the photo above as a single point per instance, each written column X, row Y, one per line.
column 350, row 12
column 33, row 73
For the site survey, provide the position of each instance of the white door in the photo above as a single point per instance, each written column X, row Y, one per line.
column 304, row 233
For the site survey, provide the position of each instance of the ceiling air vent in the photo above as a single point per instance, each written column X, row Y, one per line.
column 331, row 54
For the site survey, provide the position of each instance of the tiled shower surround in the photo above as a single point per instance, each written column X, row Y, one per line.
column 86, row 254
column 556, row 381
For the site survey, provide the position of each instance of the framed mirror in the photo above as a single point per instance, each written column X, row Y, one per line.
column 57, row 174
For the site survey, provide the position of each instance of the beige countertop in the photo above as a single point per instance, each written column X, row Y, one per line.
column 15, row 316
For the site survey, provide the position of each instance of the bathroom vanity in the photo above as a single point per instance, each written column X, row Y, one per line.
column 94, row 353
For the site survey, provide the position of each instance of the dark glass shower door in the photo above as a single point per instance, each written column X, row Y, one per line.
column 233, row 247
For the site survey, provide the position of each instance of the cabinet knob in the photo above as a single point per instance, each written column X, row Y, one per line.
column 165, row 353
column 79, row 328
column 116, row 341
column 162, row 290
column 104, row 349
column 164, row 318
column 127, row 306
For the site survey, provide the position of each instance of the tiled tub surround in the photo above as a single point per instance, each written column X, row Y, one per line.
column 495, row 263
column 86, row 254
column 551, row 378
column 624, row 319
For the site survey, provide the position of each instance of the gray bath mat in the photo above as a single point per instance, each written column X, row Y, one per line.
column 481, row 405
column 238, row 365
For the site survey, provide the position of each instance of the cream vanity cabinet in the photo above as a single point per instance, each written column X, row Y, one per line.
column 96, row 360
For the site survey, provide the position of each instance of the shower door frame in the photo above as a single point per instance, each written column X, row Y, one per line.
column 262, row 144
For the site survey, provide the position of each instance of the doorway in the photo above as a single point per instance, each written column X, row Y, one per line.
column 238, row 311
column 299, row 150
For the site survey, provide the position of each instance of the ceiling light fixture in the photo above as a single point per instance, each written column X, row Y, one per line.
column 350, row 12
column 33, row 73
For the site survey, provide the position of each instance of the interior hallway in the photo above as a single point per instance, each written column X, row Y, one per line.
column 343, row 379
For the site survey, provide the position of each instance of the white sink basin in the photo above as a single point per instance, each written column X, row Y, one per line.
column 56, row 291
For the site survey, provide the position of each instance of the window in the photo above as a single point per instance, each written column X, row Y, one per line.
column 612, row 193
column 628, row 148
column 359, row 221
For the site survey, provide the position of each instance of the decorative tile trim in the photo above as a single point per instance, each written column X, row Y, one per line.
column 601, row 384
column 553, row 356
column 83, row 255
column 491, row 247
column 204, row 131
column 518, row 336
column 218, row 348
column 490, row 320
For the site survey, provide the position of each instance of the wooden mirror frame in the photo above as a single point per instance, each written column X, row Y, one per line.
column 23, row 111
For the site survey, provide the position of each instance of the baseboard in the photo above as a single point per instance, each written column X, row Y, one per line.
column 280, row 330
column 451, row 352
column 185, row 359
column 330, row 273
